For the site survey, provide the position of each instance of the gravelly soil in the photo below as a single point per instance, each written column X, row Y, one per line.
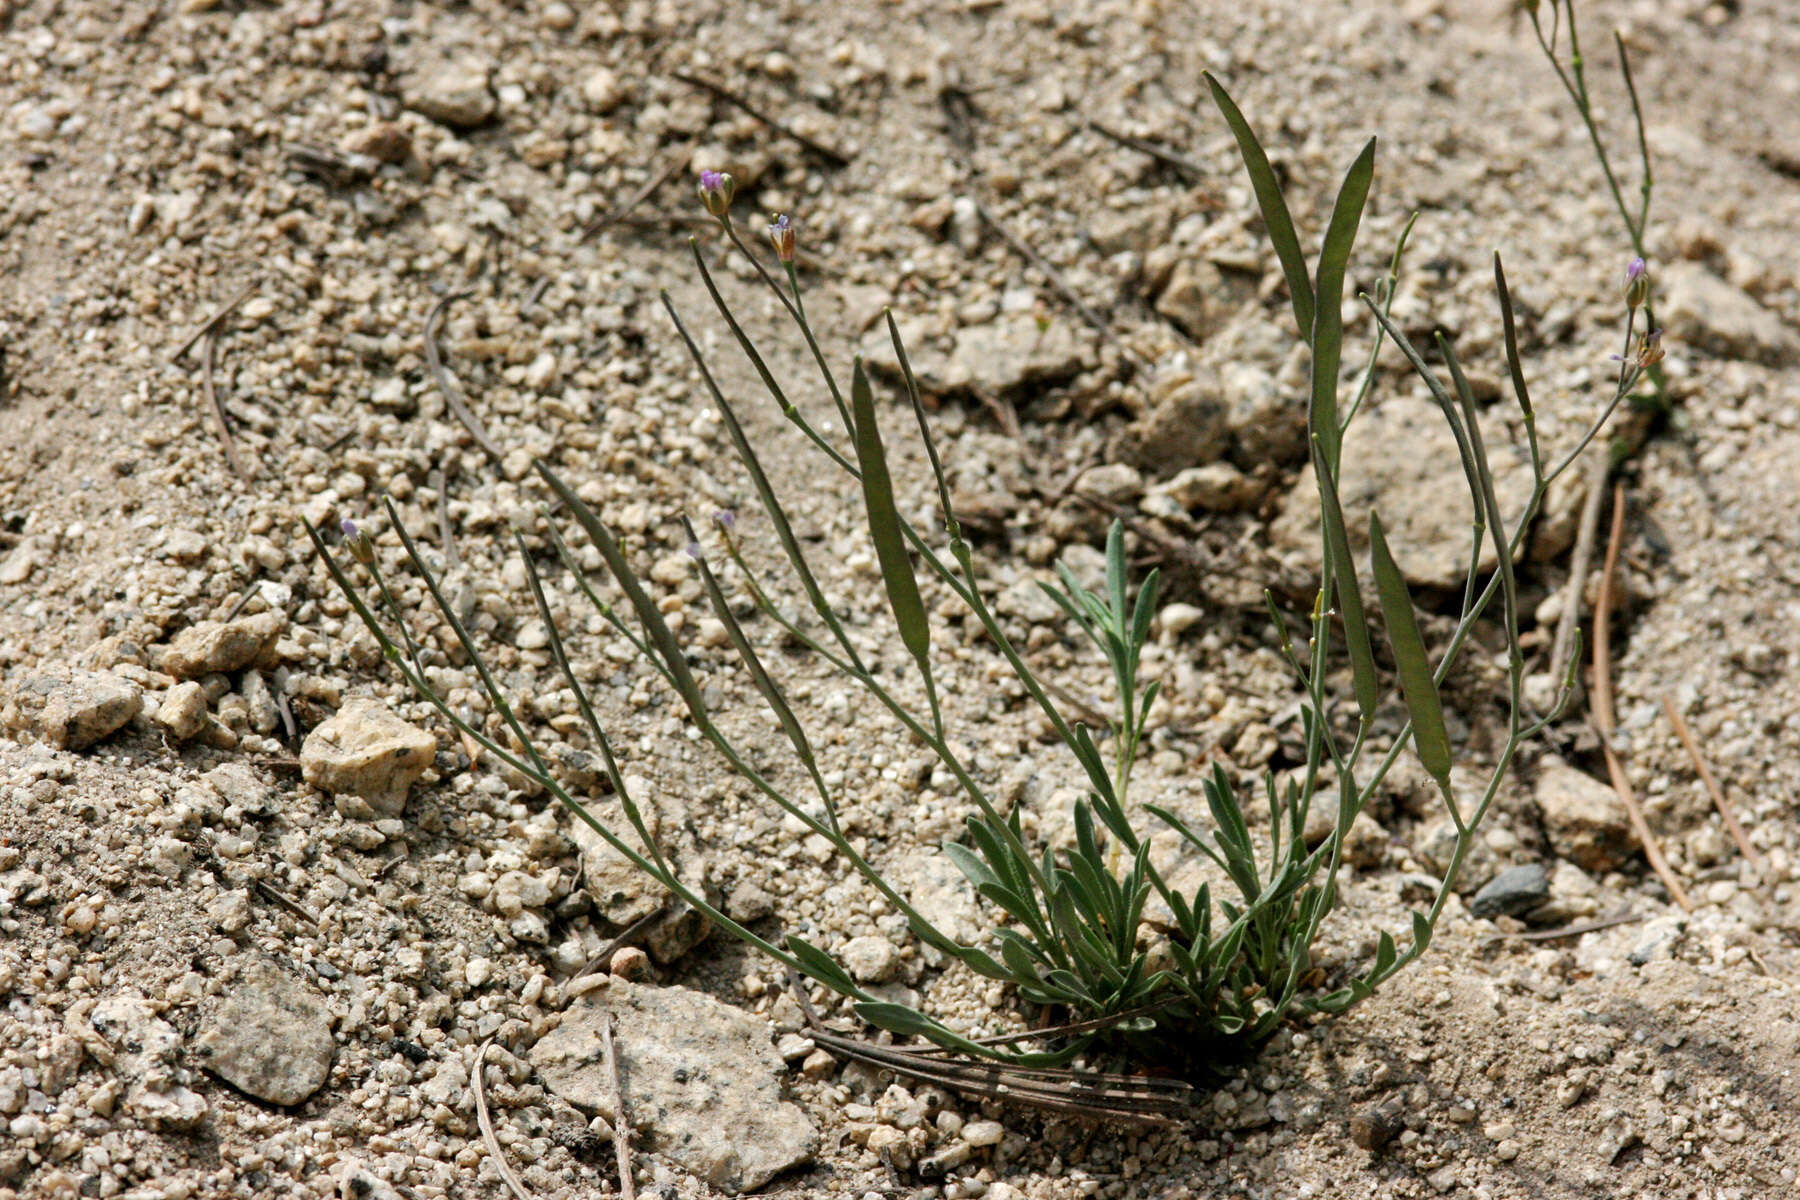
column 347, row 167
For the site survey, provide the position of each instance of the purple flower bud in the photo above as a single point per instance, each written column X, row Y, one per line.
column 357, row 542
column 726, row 518
column 782, row 234
column 716, row 190
column 693, row 551
column 1637, row 284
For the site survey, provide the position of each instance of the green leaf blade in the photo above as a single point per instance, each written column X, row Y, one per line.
column 884, row 525
column 1343, row 574
column 1274, row 208
column 1328, row 317
column 1417, row 685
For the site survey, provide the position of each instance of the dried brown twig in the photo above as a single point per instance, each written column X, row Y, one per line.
column 479, row 1085
column 1603, row 707
column 836, row 158
column 1623, row 916
column 1193, row 170
column 1025, row 250
column 212, row 323
column 452, row 394
column 217, row 408
column 1586, row 534
column 1712, row 786
column 676, row 162
column 1094, row 1095
column 621, row 1123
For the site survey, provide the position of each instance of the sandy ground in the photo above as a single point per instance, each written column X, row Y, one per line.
column 343, row 168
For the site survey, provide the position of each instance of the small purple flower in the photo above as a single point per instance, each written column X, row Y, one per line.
column 726, row 518
column 1637, row 284
column 716, row 190
column 349, row 527
column 693, row 550
column 782, row 234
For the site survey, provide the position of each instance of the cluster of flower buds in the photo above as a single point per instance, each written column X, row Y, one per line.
column 1637, row 284
column 357, row 542
column 716, row 190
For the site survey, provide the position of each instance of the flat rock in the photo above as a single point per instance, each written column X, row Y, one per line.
column 942, row 894
column 143, row 1048
column 1401, row 461
column 702, row 1081
column 624, row 894
column 1513, row 891
column 69, row 709
column 1187, row 422
column 367, row 758
column 1583, row 818
column 451, row 91
column 1212, row 487
column 999, row 357
column 1706, row 312
column 209, row 647
column 1195, row 298
column 269, row 1035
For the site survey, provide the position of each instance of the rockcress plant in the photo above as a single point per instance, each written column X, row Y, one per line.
column 1069, row 929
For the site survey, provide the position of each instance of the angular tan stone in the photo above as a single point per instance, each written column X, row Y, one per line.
column 183, row 710
column 1583, row 818
column 70, row 709
column 207, row 647
column 367, row 758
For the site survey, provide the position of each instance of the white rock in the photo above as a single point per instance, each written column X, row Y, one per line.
column 602, row 90
column 870, row 959
column 702, row 1081
column 983, row 1133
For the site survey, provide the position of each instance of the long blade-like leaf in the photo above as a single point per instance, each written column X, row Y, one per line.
column 765, row 493
column 1510, row 330
column 1343, row 574
column 1274, row 208
column 1416, row 683
column 884, row 525
column 1328, row 317
column 667, row 648
column 759, row 675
